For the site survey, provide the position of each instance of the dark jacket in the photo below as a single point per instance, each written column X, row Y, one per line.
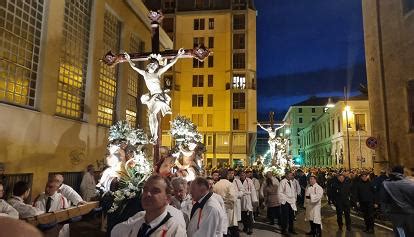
column 364, row 192
column 341, row 193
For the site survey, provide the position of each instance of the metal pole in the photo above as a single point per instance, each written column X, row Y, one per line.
column 347, row 127
column 360, row 151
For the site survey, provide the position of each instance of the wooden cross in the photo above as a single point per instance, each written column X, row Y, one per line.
column 199, row 53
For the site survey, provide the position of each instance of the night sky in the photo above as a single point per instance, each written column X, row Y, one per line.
column 305, row 48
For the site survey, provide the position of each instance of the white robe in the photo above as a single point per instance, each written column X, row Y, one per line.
column 131, row 227
column 249, row 196
column 227, row 192
column 7, row 210
column 207, row 221
column 313, row 204
column 70, row 194
column 88, row 187
column 225, row 223
column 24, row 210
column 239, row 188
column 287, row 193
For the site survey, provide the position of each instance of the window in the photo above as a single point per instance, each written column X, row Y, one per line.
column 313, row 110
column 197, row 119
column 198, row 41
column 210, row 23
column 238, row 100
column 222, row 139
column 210, row 81
column 136, row 45
column 209, row 139
column 300, row 120
column 210, row 100
column 238, row 41
column 239, row 121
column 73, row 60
column 197, row 63
column 300, row 110
column 169, row 4
column 339, row 125
column 168, row 24
column 239, row 81
column 238, row 22
column 211, row 61
column 238, row 60
column 108, row 75
column 408, row 6
column 198, row 3
column 313, row 119
column 199, row 24
column 20, row 43
column 410, row 95
column 235, row 124
column 299, row 129
column 239, row 140
column 198, row 80
column 298, row 143
column 209, row 120
column 360, row 122
column 197, row 100
column 210, row 42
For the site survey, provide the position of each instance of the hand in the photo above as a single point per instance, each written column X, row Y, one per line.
column 375, row 205
column 357, row 204
column 127, row 57
column 181, row 52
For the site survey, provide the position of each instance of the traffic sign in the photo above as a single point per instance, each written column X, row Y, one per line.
column 372, row 143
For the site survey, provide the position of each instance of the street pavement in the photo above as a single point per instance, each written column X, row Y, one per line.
column 329, row 225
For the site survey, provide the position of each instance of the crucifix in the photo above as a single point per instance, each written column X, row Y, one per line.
column 157, row 100
column 272, row 131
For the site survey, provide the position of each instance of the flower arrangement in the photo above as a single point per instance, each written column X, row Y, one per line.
column 184, row 131
column 276, row 170
column 123, row 132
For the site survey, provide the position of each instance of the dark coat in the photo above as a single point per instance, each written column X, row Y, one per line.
column 341, row 193
column 365, row 192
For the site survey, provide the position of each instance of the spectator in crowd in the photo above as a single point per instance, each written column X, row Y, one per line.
column 205, row 217
column 155, row 220
column 287, row 196
column 271, row 198
column 377, row 182
column 301, row 177
column 397, row 202
column 181, row 199
column 366, row 200
column 88, row 184
column 341, row 194
column 247, row 202
column 15, row 228
column 68, row 192
column 21, row 192
column 5, row 209
column 313, row 197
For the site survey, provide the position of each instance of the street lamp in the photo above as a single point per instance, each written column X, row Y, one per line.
column 347, row 110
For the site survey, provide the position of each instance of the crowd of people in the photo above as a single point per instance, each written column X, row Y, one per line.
column 228, row 201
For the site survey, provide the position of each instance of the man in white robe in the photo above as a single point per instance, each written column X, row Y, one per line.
column 67, row 191
column 313, row 197
column 205, row 219
column 256, row 183
column 249, row 197
column 5, row 209
column 21, row 191
column 287, row 196
column 88, row 184
column 239, row 188
column 156, row 220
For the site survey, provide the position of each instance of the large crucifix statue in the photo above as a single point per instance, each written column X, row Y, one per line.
column 272, row 131
column 157, row 99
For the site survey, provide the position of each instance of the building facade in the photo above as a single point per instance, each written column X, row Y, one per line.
column 324, row 142
column 389, row 50
column 57, row 100
column 298, row 117
column 219, row 94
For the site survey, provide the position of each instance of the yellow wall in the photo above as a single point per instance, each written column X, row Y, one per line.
column 35, row 140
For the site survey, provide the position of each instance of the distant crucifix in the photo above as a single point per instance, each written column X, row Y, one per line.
column 157, row 100
column 272, row 131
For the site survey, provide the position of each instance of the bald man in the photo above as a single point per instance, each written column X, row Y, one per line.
column 16, row 228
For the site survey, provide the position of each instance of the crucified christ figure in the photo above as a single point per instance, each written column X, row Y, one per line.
column 156, row 100
column 272, row 139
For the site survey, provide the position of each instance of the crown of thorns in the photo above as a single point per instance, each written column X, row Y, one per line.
column 157, row 57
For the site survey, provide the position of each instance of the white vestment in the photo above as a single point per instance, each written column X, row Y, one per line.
column 184, row 206
column 287, row 193
column 313, row 203
column 24, row 210
column 249, row 196
column 88, row 187
column 7, row 210
column 70, row 194
column 206, row 221
column 131, row 227
column 225, row 223
column 239, row 188
column 228, row 193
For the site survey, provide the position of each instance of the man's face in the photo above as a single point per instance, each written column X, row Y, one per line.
column 230, row 175
column 364, row 177
column 269, row 174
column 312, row 180
column 180, row 192
column 196, row 191
column 242, row 176
column 210, row 184
column 1, row 191
column 216, row 177
column 249, row 174
column 154, row 196
column 152, row 67
column 341, row 178
column 289, row 176
column 51, row 188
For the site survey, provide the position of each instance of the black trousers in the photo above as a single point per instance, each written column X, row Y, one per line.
column 287, row 216
column 247, row 219
column 233, row 231
column 345, row 210
column 316, row 229
column 273, row 213
column 367, row 209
